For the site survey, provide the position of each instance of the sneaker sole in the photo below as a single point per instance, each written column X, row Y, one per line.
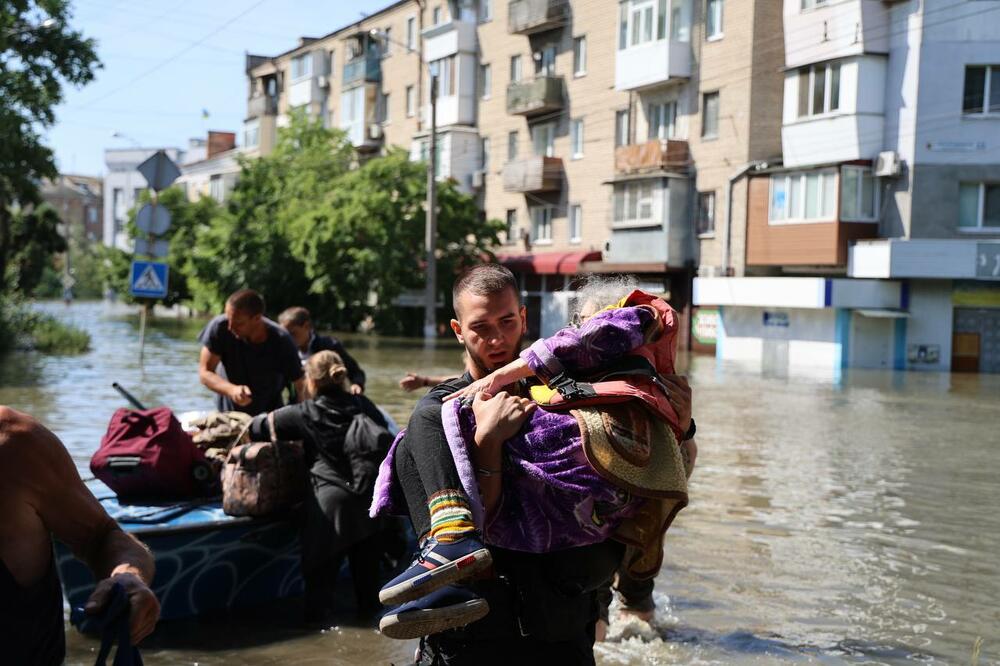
column 436, row 578
column 417, row 623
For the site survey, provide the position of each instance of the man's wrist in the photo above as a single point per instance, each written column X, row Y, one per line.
column 692, row 429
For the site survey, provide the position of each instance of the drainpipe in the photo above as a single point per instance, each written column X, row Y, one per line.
column 420, row 63
column 727, row 240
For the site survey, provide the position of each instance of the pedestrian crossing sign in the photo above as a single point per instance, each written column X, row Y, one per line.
column 149, row 279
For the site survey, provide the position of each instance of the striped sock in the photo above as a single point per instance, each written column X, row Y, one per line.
column 451, row 516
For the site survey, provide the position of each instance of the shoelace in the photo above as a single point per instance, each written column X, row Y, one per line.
column 428, row 547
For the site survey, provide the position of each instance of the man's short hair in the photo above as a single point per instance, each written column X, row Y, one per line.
column 296, row 316
column 484, row 280
column 247, row 301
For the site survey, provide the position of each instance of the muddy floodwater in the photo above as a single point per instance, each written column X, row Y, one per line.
column 856, row 522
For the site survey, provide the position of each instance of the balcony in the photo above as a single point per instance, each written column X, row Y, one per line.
column 652, row 156
column 652, row 64
column 526, row 17
column 445, row 39
column 366, row 69
column 837, row 30
column 533, row 174
column 540, row 95
column 262, row 105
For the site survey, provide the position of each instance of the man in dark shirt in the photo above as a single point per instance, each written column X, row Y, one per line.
column 298, row 322
column 258, row 357
column 542, row 607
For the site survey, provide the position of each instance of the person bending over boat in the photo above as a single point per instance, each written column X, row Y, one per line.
column 41, row 495
column 298, row 322
column 336, row 516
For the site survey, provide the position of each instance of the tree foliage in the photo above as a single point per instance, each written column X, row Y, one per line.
column 34, row 238
column 36, row 61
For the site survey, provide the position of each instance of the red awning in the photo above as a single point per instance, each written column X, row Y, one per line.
column 548, row 263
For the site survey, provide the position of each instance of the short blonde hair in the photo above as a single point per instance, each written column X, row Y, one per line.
column 327, row 372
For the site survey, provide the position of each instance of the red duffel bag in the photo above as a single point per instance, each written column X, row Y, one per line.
column 146, row 454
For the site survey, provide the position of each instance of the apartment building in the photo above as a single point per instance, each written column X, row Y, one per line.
column 890, row 132
column 77, row 200
column 211, row 167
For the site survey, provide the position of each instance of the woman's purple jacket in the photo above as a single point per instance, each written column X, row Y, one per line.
column 552, row 498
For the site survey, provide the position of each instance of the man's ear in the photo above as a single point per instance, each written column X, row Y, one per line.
column 524, row 320
column 457, row 328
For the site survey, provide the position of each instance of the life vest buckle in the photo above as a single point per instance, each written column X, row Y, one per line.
column 570, row 389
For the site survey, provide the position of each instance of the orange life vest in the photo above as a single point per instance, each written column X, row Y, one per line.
column 634, row 377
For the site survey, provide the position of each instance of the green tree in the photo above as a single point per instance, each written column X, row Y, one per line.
column 34, row 238
column 39, row 54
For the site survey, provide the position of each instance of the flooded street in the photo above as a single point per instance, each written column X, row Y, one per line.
column 851, row 523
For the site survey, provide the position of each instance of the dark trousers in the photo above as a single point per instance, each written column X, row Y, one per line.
column 637, row 595
column 423, row 468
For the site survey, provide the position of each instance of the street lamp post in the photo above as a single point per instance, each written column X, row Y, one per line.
column 430, row 229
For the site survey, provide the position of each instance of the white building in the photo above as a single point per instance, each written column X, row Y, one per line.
column 123, row 186
column 891, row 143
column 211, row 167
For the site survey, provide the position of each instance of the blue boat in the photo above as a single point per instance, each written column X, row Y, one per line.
column 205, row 560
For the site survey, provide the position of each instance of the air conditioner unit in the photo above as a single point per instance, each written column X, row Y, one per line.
column 374, row 131
column 478, row 179
column 888, row 164
column 323, row 81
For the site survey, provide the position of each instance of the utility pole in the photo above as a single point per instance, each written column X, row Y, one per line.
column 430, row 236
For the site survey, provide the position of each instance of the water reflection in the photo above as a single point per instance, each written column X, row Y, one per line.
column 856, row 522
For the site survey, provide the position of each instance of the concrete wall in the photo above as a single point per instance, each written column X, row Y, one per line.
column 809, row 343
column 935, row 196
column 930, row 321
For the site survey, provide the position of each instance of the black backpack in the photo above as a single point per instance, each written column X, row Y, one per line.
column 365, row 446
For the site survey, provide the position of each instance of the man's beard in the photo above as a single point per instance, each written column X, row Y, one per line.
column 483, row 367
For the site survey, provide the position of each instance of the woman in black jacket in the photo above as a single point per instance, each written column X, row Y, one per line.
column 336, row 521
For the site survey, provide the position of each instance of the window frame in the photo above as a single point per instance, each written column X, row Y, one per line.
column 485, row 81
column 576, row 134
column 411, row 101
column 718, row 31
column 623, row 127
column 485, row 13
column 670, row 122
column 535, row 226
column 704, row 114
column 861, row 172
column 550, row 144
column 980, row 208
column 579, row 56
column 545, row 65
column 832, row 78
column 516, row 71
column 987, row 109
column 411, row 33
column 575, row 219
column 511, row 232
column 297, row 63
column 800, row 215
column 706, row 232
column 513, row 139
column 630, row 195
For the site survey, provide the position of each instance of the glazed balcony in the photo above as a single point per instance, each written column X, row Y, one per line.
column 652, row 156
column 533, row 174
column 366, row 69
column 542, row 94
column 835, row 30
column 526, row 17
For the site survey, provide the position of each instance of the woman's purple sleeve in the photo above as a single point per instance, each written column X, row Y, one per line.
column 602, row 338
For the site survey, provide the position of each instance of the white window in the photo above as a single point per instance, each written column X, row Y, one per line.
column 484, row 154
column 713, row 19
column 979, row 206
column 575, row 223
column 541, row 224
column 515, row 69
column 485, row 81
column 411, row 33
column 386, row 42
column 436, row 16
column 511, row 235
column 662, row 120
column 819, row 89
column 543, row 139
column 512, row 139
column 545, row 61
column 621, row 128
column 91, row 215
column 485, row 10
column 634, row 203
column 858, row 194
column 710, row 115
column 576, row 137
column 425, row 154
column 706, row 213
column 217, row 188
column 809, row 196
column 118, row 208
column 445, row 70
column 680, row 30
column 579, row 56
column 411, row 101
column 982, row 89
column 302, row 66
column 812, row 4
column 637, row 22
column 382, row 108
column 251, row 134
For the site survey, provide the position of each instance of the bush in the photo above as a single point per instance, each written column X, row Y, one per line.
column 22, row 328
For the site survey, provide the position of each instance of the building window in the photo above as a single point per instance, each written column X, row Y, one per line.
column 485, row 10
column 621, row 128
column 382, row 108
column 444, row 68
column 436, row 16
column 634, row 203
column 515, row 69
column 411, row 102
column 543, row 139
column 386, row 42
column 217, row 188
column 302, row 66
column 819, row 89
column 710, row 115
column 541, row 224
column 425, row 154
column 333, row 65
column 979, row 206
column 579, row 56
column 511, row 235
column 858, row 194
column 809, row 196
column 91, row 215
column 575, row 223
column 545, row 61
column 411, row 33
column 812, row 4
column 576, row 137
column 982, row 89
column 251, row 134
column 512, row 140
column 118, row 208
column 637, row 23
column 484, row 154
column 662, row 120
column 706, row 213
column 485, row 81
column 713, row 19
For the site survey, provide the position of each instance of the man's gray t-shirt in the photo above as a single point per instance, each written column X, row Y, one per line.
column 266, row 367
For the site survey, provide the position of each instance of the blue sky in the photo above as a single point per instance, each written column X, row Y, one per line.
column 165, row 61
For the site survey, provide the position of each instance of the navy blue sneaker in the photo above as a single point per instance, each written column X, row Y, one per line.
column 446, row 608
column 437, row 565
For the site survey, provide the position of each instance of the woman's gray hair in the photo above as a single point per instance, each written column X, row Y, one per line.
column 600, row 291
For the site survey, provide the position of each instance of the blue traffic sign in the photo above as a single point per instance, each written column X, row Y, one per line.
column 149, row 279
